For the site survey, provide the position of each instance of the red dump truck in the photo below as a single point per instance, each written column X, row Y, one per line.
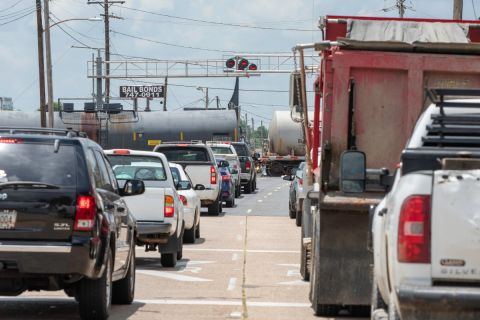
column 370, row 91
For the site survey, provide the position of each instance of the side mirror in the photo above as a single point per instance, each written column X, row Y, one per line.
column 353, row 171
column 288, row 178
column 199, row 187
column 133, row 187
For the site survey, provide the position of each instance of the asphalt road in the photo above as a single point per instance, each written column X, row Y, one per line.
column 245, row 266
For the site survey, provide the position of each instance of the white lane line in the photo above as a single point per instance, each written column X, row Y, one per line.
column 192, row 263
column 235, row 257
column 260, row 200
column 267, row 304
column 294, row 283
column 293, row 265
column 264, row 197
column 239, row 237
column 249, row 210
column 240, row 250
column 269, row 194
column 236, row 314
column 231, row 284
column 172, row 276
column 293, row 273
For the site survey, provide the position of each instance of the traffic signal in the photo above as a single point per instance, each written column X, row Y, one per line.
column 242, row 64
column 252, row 67
column 230, row 63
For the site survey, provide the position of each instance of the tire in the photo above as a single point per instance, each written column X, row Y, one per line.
column 168, row 260
column 248, row 187
column 215, row 208
column 238, row 191
column 304, row 255
column 392, row 310
column 231, row 202
column 124, row 289
column 197, row 234
column 377, row 301
column 360, row 311
column 180, row 250
column 189, row 235
column 95, row 296
column 255, row 184
column 298, row 218
column 326, row 310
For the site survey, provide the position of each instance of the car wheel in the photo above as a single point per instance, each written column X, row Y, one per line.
column 377, row 301
column 95, row 296
column 124, row 289
column 248, row 187
column 392, row 310
column 305, row 256
column 230, row 202
column 255, row 184
column 197, row 234
column 291, row 211
column 238, row 191
column 189, row 235
column 359, row 311
column 326, row 310
column 168, row 260
column 215, row 208
column 298, row 218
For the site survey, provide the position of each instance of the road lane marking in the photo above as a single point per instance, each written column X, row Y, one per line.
column 172, row 276
column 240, row 250
column 249, row 210
column 205, row 302
column 294, row 283
column 235, row 257
column 293, row 273
column 294, row 265
column 269, row 194
column 231, row 284
column 239, row 237
column 260, row 200
column 236, row 314
column 191, row 263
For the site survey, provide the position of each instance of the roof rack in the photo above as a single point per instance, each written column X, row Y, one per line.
column 458, row 130
column 70, row 133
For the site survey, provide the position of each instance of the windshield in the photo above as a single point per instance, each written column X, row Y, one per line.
column 241, row 150
column 185, row 154
column 127, row 167
column 221, row 150
column 38, row 163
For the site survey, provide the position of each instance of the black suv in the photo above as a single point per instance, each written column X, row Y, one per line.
column 248, row 176
column 63, row 222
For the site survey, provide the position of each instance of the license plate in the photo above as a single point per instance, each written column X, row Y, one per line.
column 8, row 218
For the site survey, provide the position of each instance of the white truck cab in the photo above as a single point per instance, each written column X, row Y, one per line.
column 426, row 231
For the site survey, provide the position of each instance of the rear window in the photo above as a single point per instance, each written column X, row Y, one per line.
column 241, row 150
column 144, row 168
column 221, row 150
column 187, row 154
column 38, row 163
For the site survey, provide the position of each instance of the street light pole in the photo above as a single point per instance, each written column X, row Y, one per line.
column 46, row 17
column 41, row 65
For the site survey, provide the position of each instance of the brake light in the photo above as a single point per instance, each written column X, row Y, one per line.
column 414, row 230
column 121, row 151
column 225, row 178
column 213, row 175
column 248, row 165
column 169, row 209
column 85, row 213
column 183, row 199
column 182, row 145
column 11, row 140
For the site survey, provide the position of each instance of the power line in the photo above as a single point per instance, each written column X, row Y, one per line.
column 68, row 34
column 183, row 46
column 18, row 18
column 216, row 22
column 12, row 6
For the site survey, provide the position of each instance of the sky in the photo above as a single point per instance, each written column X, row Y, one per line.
column 172, row 30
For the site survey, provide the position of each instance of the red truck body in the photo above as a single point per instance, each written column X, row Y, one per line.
column 385, row 86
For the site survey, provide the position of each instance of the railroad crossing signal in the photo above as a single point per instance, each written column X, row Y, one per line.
column 240, row 63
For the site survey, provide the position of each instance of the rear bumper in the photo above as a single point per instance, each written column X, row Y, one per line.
column 245, row 178
column 208, row 196
column 153, row 232
column 416, row 302
column 36, row 258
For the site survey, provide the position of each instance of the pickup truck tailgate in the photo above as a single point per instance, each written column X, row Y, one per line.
column 199, row 173
column 148, row 206
column 456, row 225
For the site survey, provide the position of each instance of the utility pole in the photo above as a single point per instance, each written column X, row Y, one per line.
column 46, row 17
column 218, row 102
column 246, row 128
column 206, row 98
column 457, row 9
column 99, row 101
column 41, row 66
column 106, row 17
column 165, row 86
column 401, row 8
column 253, row 134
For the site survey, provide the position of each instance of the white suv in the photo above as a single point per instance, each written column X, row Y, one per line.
column 426, row 231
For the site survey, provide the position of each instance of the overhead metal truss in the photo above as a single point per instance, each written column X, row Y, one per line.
column 210, row 68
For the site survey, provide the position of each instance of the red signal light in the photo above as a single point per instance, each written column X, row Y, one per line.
column 252, row 67
column 230, row 63
column 243, row 64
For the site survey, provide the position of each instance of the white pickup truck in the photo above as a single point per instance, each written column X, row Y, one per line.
column 198, row 161
column 426, row 231
column 159, row 211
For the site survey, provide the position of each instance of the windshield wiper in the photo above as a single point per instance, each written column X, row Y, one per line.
column 28, row 184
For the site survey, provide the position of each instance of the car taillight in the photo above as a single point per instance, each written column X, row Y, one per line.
column 213, row 175
column 121, row 151
column 11, row 140
column 85, row 213
column 169, row 205
column 225, row 178
column 248, row 165
column 183, row 199
column 414, row 230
